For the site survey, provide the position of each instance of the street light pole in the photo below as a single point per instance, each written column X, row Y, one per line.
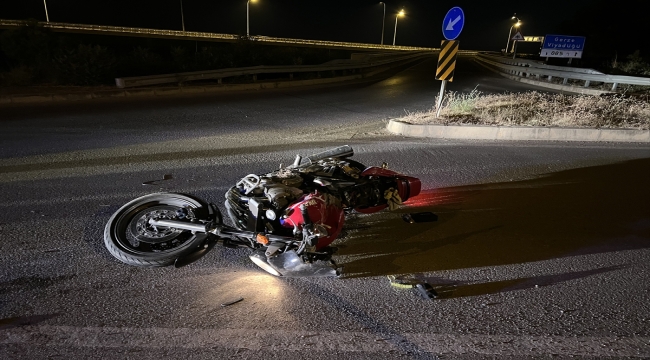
column 401, row 13
column 182, row 17
column 514, row 42
column 248, row 18
column 510, row 32
column 383, row 23
column 47, row 17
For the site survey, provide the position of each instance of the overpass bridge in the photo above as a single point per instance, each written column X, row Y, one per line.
column 206, row 36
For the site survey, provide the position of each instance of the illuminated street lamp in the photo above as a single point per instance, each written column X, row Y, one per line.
column 248, row 18
column 382, row 23
column 47, row 17
column 510, row 32
column 400, row 13
column 182, row 18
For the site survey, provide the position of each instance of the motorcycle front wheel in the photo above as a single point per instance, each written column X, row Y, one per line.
column 130, row 238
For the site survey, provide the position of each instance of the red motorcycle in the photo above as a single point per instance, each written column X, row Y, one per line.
column 288, row 217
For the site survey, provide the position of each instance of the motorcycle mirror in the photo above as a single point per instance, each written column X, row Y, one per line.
column 195, row 255
column 420, row 217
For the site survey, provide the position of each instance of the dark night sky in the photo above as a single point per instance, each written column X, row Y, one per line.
column 609, row 26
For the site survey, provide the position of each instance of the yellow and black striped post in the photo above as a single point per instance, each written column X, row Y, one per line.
column 446, row 67
column 447, row 60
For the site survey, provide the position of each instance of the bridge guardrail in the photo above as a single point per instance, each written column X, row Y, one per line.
column 127, row 82
column 527, row 68
column 203, row 36
column 539, row 64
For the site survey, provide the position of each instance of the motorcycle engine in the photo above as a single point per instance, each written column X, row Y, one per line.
column 257, row 202
column 264, row 197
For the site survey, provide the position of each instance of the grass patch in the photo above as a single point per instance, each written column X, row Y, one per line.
column 538, row 109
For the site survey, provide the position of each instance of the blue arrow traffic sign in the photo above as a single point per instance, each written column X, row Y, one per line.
column 453, row 23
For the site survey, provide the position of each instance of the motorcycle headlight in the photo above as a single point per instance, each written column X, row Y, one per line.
column 270, row 214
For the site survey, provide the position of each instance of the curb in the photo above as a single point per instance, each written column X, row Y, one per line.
column 474, row 132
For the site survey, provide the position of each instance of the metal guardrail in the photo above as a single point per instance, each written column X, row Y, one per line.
column 527, row 68
column 365, row 62
column 539, row 64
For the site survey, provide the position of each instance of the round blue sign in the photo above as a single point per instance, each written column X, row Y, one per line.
column 453, row 23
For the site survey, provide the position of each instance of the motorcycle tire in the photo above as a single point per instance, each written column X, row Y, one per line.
column 130, row 239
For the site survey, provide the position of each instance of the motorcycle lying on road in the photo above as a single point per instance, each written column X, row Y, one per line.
column 288, row 217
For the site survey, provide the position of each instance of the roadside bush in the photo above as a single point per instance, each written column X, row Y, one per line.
column 28, row 53
column 463, row 103
column 283, row 56
column 181, row 59
column 18, row 76
column 85, row 65
column 246, row 53
column 538, row 109
column 32, row 55
column 635, row 65
column 142, row 61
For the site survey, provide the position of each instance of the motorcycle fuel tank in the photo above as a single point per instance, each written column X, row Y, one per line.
column 325, row 212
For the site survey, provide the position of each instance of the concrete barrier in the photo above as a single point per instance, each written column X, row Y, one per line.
column 163, row 91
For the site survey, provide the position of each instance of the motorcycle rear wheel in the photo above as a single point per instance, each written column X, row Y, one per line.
column 130, row 238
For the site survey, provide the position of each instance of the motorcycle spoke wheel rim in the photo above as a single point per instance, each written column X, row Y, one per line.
column 135, row 234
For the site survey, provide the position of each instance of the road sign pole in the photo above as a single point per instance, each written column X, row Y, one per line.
column 452, row 25
column 440, row 96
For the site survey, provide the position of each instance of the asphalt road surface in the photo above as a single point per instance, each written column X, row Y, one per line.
column 540, row 249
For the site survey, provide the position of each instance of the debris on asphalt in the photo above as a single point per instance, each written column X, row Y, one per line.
column 156, row 182
column 426, row 291
column 420, row 217
column 421, row 288
column 232, row 302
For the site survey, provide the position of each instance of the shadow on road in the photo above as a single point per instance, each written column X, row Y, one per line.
column 449, row 289
column 9, row 323
column 569, row 213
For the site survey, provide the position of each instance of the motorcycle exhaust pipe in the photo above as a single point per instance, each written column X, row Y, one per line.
column 223, row 231
column 175, row 224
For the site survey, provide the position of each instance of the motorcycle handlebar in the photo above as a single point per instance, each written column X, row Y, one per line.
column 341, row 151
